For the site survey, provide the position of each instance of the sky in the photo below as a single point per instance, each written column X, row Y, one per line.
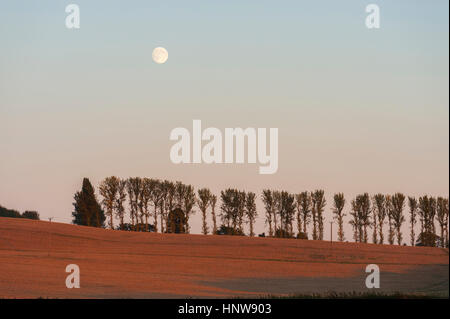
column 357, row 109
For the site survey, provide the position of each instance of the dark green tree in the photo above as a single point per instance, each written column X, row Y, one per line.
column 88, row 211
column 30, row 214
column 12, row 213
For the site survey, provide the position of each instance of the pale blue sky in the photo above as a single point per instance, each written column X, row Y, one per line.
column 357, row 109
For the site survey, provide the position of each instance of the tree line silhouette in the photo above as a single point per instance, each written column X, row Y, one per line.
column 12, row 213
column 155, row 205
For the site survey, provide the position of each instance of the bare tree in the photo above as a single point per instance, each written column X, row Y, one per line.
column 108, row 190
column 299, row 213
column 390, row 212
column 365, row 214
column 146, row 197
column 398, row 203
column 250, row 211
column 163, row 204
column 277, row 209
column 213, row 212
column 267, row 198
column 229, row 208
column 157, row 199
column 319, row 202
column 433, row 205
column 375, row 225
column 288, row 212
column 355, row 222
column 304, row 202
column 338, row 211
column 170, row 200
column 379, row 209
column 427, row 212
column 314, row 216
column 413, row 206
column 203, row 202
column 188, row 204
column 442, row 218
column 241, row 210
column 179, row 194
column 119, row 202
column 131, row 201
column 361, row 217
column 136, row 185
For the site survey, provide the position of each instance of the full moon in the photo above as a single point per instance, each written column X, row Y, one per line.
column 160, row 55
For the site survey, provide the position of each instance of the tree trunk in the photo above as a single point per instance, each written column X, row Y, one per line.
column 111, row 219
column 214, row 222
column 155, row 222
column 204, row 226
column 341, row 228
column 299, row 222
column 381, row 233
column 305, row 223
column 375, row 233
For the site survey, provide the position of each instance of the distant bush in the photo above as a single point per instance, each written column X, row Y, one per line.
column 302, row 235
column 31, row 214
column 5, row 212
column 225, row 230
column 12, row 213
column 428, row 239
column 282, row 233
column 138, row 227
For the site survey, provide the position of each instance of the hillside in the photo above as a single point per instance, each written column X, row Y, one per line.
column 115, row 264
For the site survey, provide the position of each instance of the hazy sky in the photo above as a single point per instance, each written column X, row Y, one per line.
column 357, row 110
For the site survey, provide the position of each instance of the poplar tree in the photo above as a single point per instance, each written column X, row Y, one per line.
column 250, row 211
column 269, row 204
column 339, row 203
column 442, row 218
column 413, row 206
column 398, row 203
column 319, row 202
column 203, row 202
column 304, row 203
column 213, row 212
column 119, row 202
column 108, row 190
column 380, row 210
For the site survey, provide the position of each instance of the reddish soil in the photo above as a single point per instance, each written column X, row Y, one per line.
column 116, row 264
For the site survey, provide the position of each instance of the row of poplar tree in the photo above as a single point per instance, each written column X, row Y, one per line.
column 150, row 201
